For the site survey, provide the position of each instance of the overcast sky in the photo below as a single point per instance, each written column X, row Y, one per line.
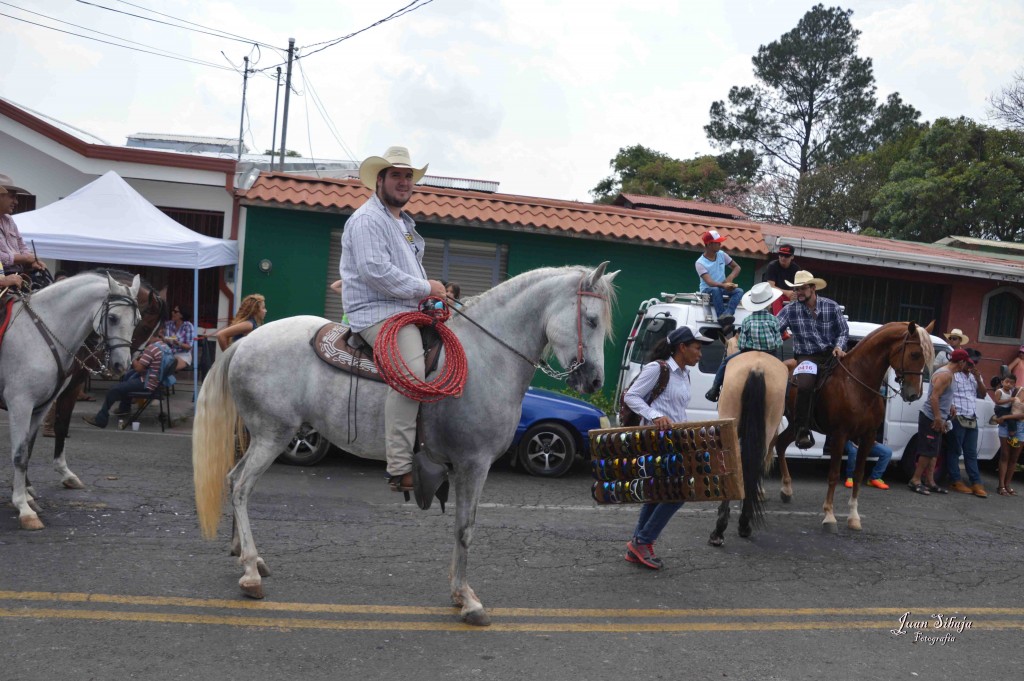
column 538, row 95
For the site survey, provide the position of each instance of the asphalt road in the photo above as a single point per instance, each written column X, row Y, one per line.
column 119, row 585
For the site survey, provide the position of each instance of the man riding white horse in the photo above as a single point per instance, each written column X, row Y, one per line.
column 382, row 275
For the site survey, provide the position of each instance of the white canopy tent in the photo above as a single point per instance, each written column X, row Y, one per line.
column 108, row 221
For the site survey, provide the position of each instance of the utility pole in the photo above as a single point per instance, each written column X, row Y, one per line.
column 241, row 123
column 287, row 93
column 273, row 139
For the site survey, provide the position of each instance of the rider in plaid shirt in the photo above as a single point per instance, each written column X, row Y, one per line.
column 819, row 332
column 759, row 331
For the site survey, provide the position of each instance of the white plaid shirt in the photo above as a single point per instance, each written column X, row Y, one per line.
column 965, row 393
column 381, row 265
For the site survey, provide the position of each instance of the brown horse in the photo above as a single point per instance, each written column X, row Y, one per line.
column 154, row 312
column 850, row 406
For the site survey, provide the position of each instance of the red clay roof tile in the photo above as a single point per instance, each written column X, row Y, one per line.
column 507, row 211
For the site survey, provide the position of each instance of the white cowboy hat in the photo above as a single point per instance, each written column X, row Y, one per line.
column 760, row 297
column 394, row 157
column 964, row 340
column 7, row 183
column 804, row 277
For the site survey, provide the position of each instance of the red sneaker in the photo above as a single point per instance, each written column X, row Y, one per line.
column 643, row 554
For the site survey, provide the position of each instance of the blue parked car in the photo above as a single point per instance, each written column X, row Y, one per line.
column 552, row 432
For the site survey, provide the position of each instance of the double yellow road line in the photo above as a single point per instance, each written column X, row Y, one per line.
column 326, row 616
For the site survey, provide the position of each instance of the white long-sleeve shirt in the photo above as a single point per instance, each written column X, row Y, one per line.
column 671, row 403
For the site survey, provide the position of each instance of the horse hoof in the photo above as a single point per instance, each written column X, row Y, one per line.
column 831, row 528
column 31, row 522
column 477, row 618
column 786, row 498
column 745, row 532
column 716, row 540
column 252, row 590
column 262, row 568
column 854, row 526
column 73, row 483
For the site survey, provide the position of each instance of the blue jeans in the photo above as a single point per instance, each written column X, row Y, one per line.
column 718, row 294
column 653, row 519
column 964, row 441
column 119, row 393
column 881, row 451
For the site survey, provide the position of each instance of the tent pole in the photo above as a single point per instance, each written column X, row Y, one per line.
column 195, row 343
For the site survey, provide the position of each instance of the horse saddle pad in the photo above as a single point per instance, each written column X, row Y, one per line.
column 330, row 343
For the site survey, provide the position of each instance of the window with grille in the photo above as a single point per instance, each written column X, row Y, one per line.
column 1002, row 312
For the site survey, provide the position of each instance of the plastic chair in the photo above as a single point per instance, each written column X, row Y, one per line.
column 162, row 394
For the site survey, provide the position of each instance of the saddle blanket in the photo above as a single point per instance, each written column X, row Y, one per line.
column 330, row 344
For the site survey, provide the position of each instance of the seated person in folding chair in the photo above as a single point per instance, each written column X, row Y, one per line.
column 180, row 334
column 147, row 372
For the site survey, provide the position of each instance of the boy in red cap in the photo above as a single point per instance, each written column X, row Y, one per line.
column 714, row 281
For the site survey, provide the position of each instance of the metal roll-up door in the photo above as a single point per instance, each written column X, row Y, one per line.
column 332, row 301
column 475, row 266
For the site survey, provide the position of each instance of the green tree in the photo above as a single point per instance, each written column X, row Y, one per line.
column 813, row 104
column 288, row 152
column 640, row 170
column 959, row 178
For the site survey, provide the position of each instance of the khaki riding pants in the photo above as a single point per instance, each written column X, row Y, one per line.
column 399, row 411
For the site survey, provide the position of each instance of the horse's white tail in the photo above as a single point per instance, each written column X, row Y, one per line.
column 213, row 443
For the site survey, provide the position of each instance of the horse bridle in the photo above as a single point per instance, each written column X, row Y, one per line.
column 52, row 341
column 578, row 362
column 900, row 372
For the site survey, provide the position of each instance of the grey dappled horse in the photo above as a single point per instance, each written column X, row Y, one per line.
column 37, row 357
column 273, row 381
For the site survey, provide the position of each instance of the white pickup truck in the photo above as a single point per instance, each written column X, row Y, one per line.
column 656, row 317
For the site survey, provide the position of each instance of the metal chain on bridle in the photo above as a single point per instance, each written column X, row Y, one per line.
column 105, row 345
column 540, row 364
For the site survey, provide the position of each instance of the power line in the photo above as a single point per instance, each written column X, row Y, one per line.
column 93, row 30
column 192, row 23
column 322, row 109
column 107, row 42
column 221, row 34
column 411, row 7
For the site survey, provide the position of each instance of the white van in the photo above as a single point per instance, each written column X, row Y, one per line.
column 658, row 316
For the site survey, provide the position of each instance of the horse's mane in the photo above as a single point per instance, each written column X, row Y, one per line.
column 927, row 348
column 510, row 288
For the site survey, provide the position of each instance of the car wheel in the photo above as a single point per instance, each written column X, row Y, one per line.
column 307, row 448
column 908, row 462
column 547, row 450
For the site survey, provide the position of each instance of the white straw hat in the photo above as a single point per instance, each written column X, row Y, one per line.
column 760, row 296
column 394, row 157
column 804, row 277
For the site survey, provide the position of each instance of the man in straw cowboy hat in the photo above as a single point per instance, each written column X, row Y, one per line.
column 382, row 274
column 759, row 331
column 819, row 332
column 13, row 250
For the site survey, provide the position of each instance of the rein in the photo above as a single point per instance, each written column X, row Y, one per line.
column 52, row 341
column 540, row 363
column 901, row 373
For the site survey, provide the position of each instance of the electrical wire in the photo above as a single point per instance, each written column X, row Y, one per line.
column 107, row 42
column 192, row 23
column 411, row 7
column 322, row 109
column 227, row 36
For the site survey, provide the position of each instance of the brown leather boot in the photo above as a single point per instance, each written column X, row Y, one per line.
column 959, row 486
column 401, row 483
column 979, row 491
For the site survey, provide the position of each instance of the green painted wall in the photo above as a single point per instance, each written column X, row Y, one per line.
column 297, row 242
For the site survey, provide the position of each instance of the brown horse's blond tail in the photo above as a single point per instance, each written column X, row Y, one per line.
column 213, row 444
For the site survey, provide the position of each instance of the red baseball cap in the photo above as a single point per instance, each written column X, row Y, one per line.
column 712, row 236
column 959, row 355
